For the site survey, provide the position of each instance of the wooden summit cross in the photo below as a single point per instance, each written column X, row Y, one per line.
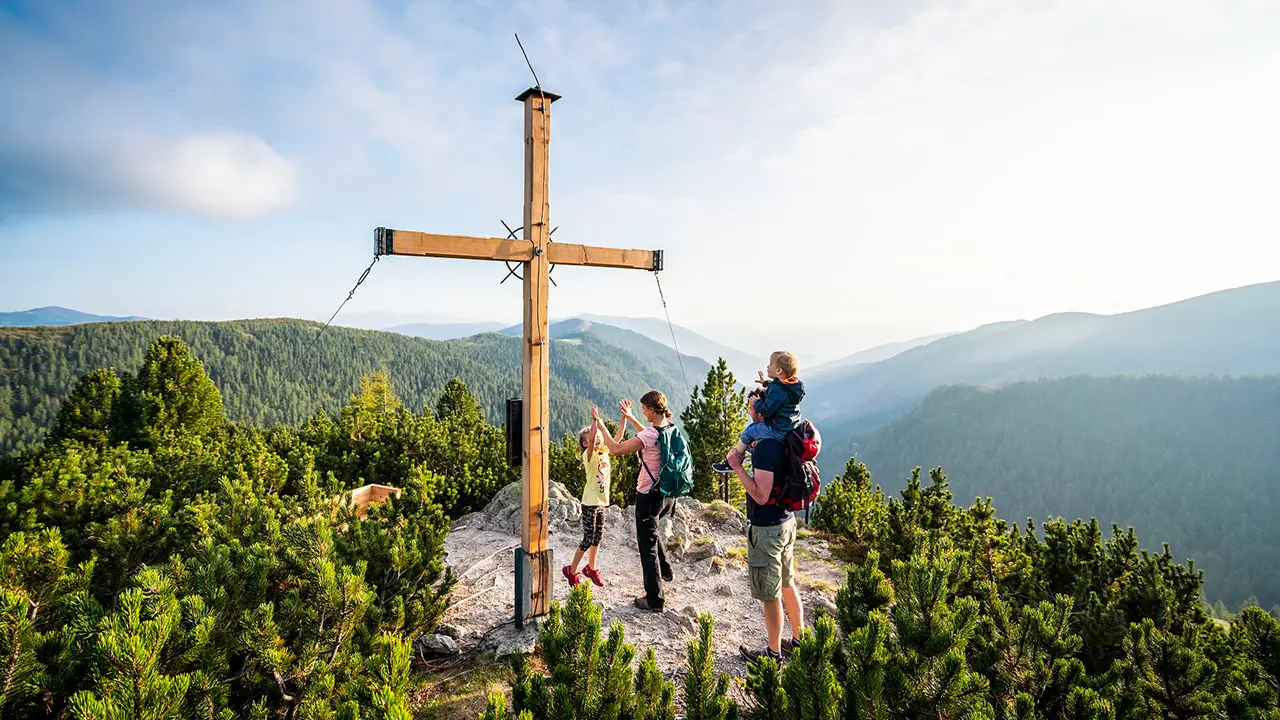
column 535, row 569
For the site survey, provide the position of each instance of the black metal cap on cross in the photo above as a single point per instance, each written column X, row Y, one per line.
column 538, row 254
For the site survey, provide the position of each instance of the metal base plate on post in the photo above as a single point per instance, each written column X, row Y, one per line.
column 533, row 598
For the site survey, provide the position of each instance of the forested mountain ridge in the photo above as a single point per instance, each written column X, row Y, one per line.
column 1194, row 462
column 1233, row 332
column 248, row 359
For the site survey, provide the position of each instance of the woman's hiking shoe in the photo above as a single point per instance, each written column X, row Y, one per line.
column 642, row 602
column 753, row 655
column 593, row 575
column 721, row 466
column 571, row 576
column 667, row 575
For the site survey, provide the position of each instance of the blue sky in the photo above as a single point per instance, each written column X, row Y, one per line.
column 896, row 169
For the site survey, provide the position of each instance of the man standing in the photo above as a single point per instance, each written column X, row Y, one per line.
column 771, row 540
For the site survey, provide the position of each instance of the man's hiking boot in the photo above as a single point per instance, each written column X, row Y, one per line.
column 642, row 602
column 571, row 576
column 788, row 645
column 752, row 655
column 721, row 466
column 593, row 575
column 667, row 575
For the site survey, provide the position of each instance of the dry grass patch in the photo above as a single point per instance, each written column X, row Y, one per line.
column 461, row 692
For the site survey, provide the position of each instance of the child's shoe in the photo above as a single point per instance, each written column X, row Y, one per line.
column 593, row 575
column 571, row 576
column 721, row 466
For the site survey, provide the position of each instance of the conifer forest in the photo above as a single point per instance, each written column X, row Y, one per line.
column 159, row 560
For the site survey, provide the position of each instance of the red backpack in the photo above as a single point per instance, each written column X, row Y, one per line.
column 802, row 482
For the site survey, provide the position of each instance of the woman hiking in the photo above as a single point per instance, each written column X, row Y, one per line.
column 649, row 499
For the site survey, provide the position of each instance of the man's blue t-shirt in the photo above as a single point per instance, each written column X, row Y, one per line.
column 772, row 456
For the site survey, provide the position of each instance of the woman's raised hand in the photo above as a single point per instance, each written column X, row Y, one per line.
column 626, row 408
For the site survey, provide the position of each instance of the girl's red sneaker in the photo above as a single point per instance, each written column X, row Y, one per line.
column 571, row 576
column 594, row 576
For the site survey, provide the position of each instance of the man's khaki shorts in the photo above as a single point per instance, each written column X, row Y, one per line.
column 771, row 559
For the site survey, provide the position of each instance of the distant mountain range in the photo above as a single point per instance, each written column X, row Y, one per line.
column 446, row 330
column 743, row 365
column 1232, row 332
column 876, row 354
column 691, row 344
column 54, row 315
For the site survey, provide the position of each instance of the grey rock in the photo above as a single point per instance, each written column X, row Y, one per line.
column 437, row 645
column 521, row 645
column 507, row 641
column 724, row 590
column 705, row 550
column 452, row 631
column 502, row 514
column 823, row 603
column 688, row 503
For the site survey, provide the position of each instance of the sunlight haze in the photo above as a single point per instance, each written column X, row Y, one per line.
column 824, row 176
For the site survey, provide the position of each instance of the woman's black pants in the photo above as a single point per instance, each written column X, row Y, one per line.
column 653, row 559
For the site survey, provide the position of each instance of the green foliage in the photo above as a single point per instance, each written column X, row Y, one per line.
column 587, row 676
column 850, row 506
column 764, row 684
column 1189, row 461
column 705, row 692
column 262, row 374
column 170, row 397
column 655, row 697
column 713, row 420
column 205, row 569
column 813, row 689
column 86, row 413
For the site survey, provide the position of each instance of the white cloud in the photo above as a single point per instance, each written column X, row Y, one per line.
column 222, row 174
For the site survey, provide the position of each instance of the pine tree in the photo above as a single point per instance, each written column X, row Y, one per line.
column 139, row 653
column 764, row 684
column 866, row 591
column 588, row 676
column 1257, row 636
column 1027, row 655
column 388, row 685
column 867, row 654
column 171, row 396
column 85, row 415
column 850, row 506
column 928, row 675
column 713, row 420
column 705, row 692
column 1167, row 674
column 654, row 695
column 810, row 678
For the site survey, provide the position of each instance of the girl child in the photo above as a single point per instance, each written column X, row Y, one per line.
column 595, row 497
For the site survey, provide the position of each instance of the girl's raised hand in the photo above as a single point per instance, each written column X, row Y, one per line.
column 595, row 413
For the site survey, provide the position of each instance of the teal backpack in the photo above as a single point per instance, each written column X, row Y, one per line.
column 676, row 477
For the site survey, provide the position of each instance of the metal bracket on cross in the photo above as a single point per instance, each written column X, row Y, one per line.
column 511, row 268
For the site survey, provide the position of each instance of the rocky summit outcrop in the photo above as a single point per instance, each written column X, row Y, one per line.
column 705, row 543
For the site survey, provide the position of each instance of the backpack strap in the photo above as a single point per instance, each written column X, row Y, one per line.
column 656, row 485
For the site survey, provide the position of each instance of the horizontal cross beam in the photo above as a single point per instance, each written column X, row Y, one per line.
column 467, row 247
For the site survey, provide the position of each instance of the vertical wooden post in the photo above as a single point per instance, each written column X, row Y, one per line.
column 535, row 596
